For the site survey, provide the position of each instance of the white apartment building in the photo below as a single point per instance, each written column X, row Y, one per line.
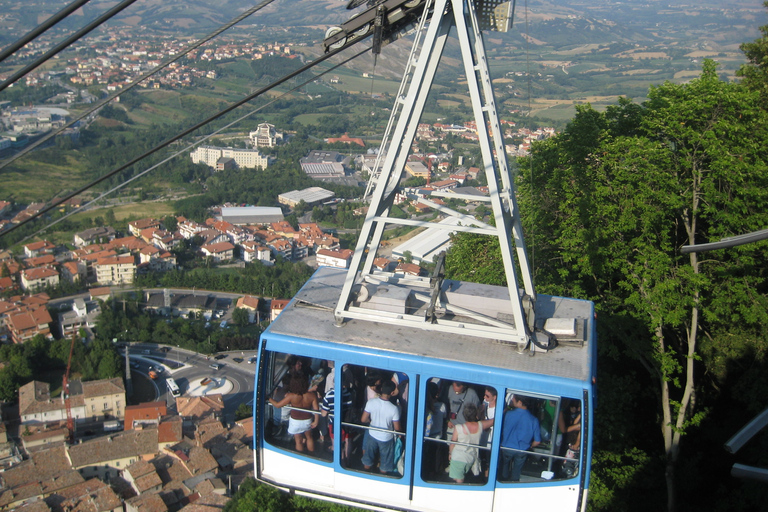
column 245, row 158
column 115, row 270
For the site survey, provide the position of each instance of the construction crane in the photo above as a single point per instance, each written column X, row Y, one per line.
column 65, row 392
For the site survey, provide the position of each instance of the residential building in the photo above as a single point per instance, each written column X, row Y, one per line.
column 189, row 228
column 281, row 247
column 148, row 413
column 36, row 249
column 7, row 284
column 137, row 226
column 99, row 234
column 409, row 269
column 35, row 437
column 143, row 477
column 244, row 158
column 27, row 322
column 253, row 251
column 90, row 401
column 39, row 278
column 93, row 495
column 146, row 503
column 83, row 315
column 444, row 185
column 73, row 271
column 222, row 251
column 194, row 409
column 104, row 457
column 37, row 406
column 383, row 264
column 46, row 260
column 213, row 236
column 337, row 259
column 251, row 305
column 104, row 399
column 102, row 293
column 276, row 307
column 45, row 472
column 346, row 139
column 115, row 270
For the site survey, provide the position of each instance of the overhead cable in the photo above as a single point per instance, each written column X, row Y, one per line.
column 179, row 135
column 137, row 81
column 190, row 146
column 68, row 41
column 66, row 11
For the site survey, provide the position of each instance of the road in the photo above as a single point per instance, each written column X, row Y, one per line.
column 194, row 366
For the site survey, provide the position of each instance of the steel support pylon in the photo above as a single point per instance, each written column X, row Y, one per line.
column 461, row 15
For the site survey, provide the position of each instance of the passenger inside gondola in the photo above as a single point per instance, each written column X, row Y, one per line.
column 439, row 439
column 488, row 412
column 327, row 412
column 380, row 440
column 380, row 427
column 464, row 453
column 520, row 433
column 434, row 430
column 302, row 419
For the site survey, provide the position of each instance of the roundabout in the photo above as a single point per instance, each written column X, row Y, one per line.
column 208, row 386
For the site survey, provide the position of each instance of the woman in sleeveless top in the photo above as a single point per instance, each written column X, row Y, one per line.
column 463, row 458
column 301, row 422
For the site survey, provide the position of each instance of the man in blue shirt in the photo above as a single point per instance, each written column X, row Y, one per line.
column 520, row 431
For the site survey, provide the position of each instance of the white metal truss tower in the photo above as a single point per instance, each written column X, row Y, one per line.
column 430, row 302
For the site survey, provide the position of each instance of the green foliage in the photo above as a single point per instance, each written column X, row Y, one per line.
column 21, row 94
column 475, row 258
column 116, row 113
column 243, row 411
column 37, row 356
column 240, row 317
column 755, row 72
column 253, row 496
column 622, row 478
column 608, row 203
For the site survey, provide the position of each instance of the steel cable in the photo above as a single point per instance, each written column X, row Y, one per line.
column 32, row 34
column 138, row 80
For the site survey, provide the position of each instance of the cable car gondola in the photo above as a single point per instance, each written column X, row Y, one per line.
column 423, row 341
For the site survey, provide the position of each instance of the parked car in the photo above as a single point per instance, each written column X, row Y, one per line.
column 252, row 360
column 220, row 356
column 237, row 359
column 216, row 366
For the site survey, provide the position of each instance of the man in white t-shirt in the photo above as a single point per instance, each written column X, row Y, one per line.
column 381, row 414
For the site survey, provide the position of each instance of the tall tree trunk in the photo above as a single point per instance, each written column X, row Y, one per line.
column 670, row 440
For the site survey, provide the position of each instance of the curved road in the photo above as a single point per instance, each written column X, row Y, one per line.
column 196, row 366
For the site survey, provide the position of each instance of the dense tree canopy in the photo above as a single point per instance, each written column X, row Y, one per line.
column 607, row 205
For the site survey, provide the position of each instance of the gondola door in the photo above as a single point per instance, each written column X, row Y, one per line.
column 378, row 425
column 432, row 486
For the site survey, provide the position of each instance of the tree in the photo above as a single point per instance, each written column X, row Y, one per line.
column 755, row 72
column 616, row 205
column 243, row 411
column 240, row 317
